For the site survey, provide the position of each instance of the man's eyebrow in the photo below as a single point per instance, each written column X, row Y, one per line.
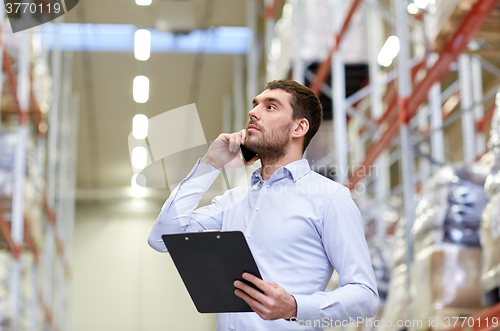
column 268, row 99
column 274, row 100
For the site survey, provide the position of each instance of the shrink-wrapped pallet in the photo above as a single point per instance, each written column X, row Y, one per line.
column 446, row 269
column 490, row 225
column 451, row 207
column 490, row 241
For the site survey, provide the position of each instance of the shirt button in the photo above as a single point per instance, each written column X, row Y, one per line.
column 257, row 209
column 249, row 236
column 232, row 327
column 268, row 185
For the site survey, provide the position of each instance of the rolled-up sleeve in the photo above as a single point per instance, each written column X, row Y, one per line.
column 346, row 247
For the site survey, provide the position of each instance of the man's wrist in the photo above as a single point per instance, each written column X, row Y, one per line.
column 293, row 313
column 206, row 159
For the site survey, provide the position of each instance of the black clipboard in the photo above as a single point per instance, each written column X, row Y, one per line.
column 209, row 263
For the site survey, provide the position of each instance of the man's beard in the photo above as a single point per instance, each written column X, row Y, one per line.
column 271, row 146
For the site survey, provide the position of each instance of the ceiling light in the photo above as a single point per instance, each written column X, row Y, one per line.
column 142, row 44
column 43, row 127
column 44, row 107
column 140, row 126
column 139, row 157
column 388, row 51
column 138, row 191
column 288, row 8
column 141, row 89
column 143, row 2
column 40, row 68
column 412, row 8
column 421, row 3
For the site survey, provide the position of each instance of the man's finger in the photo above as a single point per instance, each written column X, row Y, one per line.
column 223, row 137
column 238, row 140
column 243, row 134
column 232, row 142
column 256, row 281
column 254, row 304
column 257, row 295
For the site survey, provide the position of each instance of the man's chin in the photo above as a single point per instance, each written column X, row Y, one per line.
column 250, row 139
column 251, row 146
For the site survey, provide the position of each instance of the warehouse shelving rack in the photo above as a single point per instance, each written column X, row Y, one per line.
column 40, row 243
column 409, row 113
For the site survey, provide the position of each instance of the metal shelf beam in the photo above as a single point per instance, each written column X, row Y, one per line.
column 325, row 67
column 464, row 33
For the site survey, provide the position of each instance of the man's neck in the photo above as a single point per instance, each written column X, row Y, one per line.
column 269, row 167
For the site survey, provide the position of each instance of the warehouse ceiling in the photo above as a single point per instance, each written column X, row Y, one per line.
column 104, row 83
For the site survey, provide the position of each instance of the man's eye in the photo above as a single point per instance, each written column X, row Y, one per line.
column 271, row 107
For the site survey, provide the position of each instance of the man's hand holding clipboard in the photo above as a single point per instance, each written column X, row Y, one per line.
column 270, row 304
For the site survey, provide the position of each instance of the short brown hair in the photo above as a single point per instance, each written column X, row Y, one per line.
column 305, row 104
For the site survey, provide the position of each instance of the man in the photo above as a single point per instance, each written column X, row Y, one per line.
column 298, row 224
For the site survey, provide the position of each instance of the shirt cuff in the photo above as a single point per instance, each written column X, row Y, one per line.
column 307, row 307
column 202, row 175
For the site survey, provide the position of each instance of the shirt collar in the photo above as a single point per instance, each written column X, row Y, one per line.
column 296, row 169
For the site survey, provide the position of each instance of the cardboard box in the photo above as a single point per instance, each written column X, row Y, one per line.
column 446, row 277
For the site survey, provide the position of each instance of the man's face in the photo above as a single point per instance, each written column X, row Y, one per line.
column 271, row 120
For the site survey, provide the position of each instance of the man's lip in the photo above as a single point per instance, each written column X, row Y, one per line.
column 253, row 128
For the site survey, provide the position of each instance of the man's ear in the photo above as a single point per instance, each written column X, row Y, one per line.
column 301, row 128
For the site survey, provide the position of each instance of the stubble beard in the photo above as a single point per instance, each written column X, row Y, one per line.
column 271, row 145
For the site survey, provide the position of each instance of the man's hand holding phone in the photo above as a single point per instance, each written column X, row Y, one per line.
column 225, row 151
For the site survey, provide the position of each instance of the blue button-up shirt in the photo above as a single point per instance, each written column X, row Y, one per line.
column 300, row 226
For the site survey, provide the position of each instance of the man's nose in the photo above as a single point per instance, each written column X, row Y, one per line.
column 253, row 114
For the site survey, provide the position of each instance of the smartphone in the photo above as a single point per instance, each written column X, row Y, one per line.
column 247, row 154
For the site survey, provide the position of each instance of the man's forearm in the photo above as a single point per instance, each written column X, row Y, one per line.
column 177, row 210
column 349, row 302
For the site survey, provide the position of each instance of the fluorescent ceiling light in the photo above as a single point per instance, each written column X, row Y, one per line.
column 388, row 51
column 106, row 38
column 288, row 8
column 139, row 157
column 138, row 191
column 142, row 44
column 143, row 2
column 141, row 89
column 412, row 8
column 140, row 126
column 421, row 3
